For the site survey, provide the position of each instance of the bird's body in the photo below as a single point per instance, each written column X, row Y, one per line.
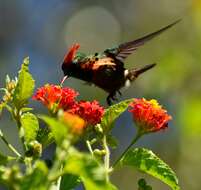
column 106, row 70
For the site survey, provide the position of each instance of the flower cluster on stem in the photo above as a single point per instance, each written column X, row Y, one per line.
column 149, row 116
column 55, row 97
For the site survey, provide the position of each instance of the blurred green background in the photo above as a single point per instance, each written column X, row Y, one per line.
column 45, row 29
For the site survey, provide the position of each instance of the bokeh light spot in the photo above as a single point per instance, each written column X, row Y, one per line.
column 93, row 27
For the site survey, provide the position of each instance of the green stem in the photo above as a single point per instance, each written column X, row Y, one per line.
column 17, row 118
column 57, row 169
column 58, row 183
column 55, row 176
column 9, row 145
column 128, row 148
column 89, row 147
column 28, row 163
column 106, row 157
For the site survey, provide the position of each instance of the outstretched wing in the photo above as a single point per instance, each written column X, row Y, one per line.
column 125, row 49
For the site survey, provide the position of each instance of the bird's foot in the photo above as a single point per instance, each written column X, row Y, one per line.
column 112, row 97
column 119, row 92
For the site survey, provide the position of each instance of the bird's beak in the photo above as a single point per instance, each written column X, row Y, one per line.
column 63, row 80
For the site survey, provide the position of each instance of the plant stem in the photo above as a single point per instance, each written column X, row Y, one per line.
column 106, row 157
column 128, row 148
column 55, row 176
column 60, row 157
column 58, row 183
column 89, row 147
column 9, row 145
column 21, row 135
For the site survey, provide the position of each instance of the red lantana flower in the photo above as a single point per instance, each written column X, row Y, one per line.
column 55, row 97
column 149, row 115
column 91, row 112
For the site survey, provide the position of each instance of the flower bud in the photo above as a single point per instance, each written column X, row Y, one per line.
column 34, row 149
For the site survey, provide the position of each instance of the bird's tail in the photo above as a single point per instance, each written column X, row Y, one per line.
column 134, row 73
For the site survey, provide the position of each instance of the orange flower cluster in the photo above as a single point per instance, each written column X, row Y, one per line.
column 149, row 115
column 74, row 122
column 55, row 98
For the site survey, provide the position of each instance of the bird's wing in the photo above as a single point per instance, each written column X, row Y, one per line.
column 125, row 49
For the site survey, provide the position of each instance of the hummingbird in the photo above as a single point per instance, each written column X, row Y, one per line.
column 106, row 69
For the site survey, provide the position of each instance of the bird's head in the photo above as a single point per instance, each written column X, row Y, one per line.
column 69, row 58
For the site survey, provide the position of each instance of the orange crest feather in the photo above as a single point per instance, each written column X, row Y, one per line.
column 71, row 53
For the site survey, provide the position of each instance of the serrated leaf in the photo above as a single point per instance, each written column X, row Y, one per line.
column 146, row 161
column 25, row 85
column 37, row 179
column 112, row 113
column 90, row 171
column 69, row 182
column 59, row 130
column 29, row 123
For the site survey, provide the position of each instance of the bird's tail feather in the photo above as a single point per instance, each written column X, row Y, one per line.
column 134, row 73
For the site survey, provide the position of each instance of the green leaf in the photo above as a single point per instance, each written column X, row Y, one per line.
column 112, row 113
column 90, row 171
column 69, row 182
column 112, row 141
column 45, row 137
column 23, row 110
column 59, row 130
column 25, row 86
column 2, row 171
column 29, row 123
column 2, row 105
column 146, row 161
column 37, row 179
column 3, row 159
